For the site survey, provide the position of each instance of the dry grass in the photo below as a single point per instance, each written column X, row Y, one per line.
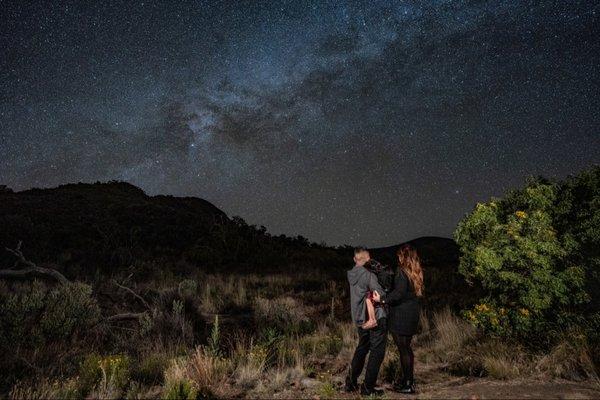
column 278, row 356
column 444, row 340
column 570, row 359
column 451, row 331
column 220, row 292
column 44, row 389
column 207, row 371
column 285, row 313
column 250, row 367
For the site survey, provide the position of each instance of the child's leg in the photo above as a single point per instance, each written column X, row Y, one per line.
column 371, row 320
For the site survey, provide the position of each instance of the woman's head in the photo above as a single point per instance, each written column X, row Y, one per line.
column 410, row 263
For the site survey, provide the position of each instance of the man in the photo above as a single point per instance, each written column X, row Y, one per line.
column 373, row 340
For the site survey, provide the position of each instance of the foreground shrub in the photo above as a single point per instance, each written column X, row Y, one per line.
column 521, row 252
column 39, row 321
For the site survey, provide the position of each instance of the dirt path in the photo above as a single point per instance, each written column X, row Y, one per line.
column 481, row 388
column 437, row 384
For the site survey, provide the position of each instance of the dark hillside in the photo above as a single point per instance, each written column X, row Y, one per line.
column 81, row 228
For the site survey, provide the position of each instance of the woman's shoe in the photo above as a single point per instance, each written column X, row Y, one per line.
column 397, row 386
column 408, row 387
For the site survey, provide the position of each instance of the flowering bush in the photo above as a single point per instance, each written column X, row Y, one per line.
column 519, row 250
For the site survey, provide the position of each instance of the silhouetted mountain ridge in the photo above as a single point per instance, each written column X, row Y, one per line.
column 110, row 226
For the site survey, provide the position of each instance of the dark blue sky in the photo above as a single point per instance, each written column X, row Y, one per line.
column 350, row 122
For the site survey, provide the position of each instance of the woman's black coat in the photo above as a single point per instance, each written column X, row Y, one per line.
column 404, row 307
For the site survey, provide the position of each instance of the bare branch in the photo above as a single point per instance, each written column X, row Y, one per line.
column 32, row 268
column 140, row 298
column 126, row 316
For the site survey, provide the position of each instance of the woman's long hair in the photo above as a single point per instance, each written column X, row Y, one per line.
column 410, row 263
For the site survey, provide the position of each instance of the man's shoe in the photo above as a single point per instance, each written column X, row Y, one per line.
column 350, row 386
column 365, row 391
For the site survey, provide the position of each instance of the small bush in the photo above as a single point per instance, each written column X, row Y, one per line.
column 180, row 390
column 151, row 368
column 89, row 372
column 250, row 361
column 114, row 375
column 447, row 338
column 391, row 370
column 327, row 391
column 285, row 314
column 35, row 314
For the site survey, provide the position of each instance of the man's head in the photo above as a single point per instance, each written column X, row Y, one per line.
column 361, row 256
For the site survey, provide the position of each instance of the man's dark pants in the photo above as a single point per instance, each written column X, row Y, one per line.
column 369, row 341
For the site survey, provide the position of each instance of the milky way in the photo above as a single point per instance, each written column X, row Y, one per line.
column 346, row 122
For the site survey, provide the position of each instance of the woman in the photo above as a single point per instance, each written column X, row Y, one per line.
column 404, row 311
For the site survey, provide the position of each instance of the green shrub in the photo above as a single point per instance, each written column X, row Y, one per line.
column 151, row 368
column 34, row 314
column 107, row 374
column 180, row 390
column 517, row 249
column 89, row 372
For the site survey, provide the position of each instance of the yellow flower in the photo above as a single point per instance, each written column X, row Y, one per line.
column 502, row 311
column 521, row 214
column 524, row 312
column 482, row 308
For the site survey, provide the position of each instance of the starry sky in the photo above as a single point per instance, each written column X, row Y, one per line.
column 347, row 122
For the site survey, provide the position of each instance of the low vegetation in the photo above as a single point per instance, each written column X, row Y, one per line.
column 178, row 331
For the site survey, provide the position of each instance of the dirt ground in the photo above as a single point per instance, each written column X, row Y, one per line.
column 433, row 383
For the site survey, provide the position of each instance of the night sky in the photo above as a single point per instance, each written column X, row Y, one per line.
column 367, row 123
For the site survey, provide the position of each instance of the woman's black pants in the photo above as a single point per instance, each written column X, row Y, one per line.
column 407, row 358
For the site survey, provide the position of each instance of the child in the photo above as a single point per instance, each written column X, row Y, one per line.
column 371, row 320
column 376, row 268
